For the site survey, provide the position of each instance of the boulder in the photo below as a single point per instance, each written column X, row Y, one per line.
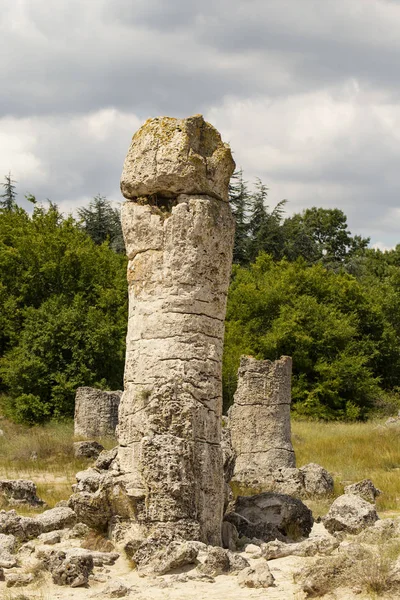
column 349, row 513
column 268, row 510
column 7, row 549
column 237, row 562
column 256, row 576
column 70, row 570
column 168, row 157
column 88, row 449
column 96, row 412
column 50, row 538
column 263, row 531
column 56, row 518
column 174, row 556
column 324, row 545
column 105, row 458
column 23, row 528
column 18, row 579
column 365, row 489
column 215, row 562
column 116, row 589
column 19, row 492
column 317, row 480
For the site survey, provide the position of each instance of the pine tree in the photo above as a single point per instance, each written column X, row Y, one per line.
column 239, row 198
column 9, row 195
column 266, row 234
column 102, row 222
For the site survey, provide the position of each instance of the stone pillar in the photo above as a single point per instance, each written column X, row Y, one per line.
column 96, row 412
column 178, row 231
column 259, row 419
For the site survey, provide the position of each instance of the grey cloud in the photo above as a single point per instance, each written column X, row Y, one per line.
column 68, row 59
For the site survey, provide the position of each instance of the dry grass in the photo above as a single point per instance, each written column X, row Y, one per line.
column 43, row 455
column 351, row 452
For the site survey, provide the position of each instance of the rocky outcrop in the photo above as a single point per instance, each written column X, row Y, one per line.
column 88, row 449
column 178, row 232
column 259, row 418
column 365, row 489
column 350, row 513
column 256, row 576
column 96, row 412
column 270, row 516
column 316, row 480
column 19, row 492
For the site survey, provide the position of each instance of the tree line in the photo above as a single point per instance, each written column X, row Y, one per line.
column 302, row 286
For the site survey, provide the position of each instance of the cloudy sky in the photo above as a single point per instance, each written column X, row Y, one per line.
column 306, row 92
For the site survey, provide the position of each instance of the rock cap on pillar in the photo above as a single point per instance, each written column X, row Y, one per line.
column 171, row 156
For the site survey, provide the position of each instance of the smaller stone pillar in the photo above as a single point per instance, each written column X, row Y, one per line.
column 96, row 412
column 260, row 418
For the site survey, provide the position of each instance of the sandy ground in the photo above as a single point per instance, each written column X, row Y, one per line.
column 168, row 588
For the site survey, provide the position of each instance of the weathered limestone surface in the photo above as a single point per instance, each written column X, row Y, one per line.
column 171, row 156
column 259, row 418
column 179, row 243
column 96, row 412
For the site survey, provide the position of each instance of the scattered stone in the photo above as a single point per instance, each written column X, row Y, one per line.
column 7, row 543
column 116, row 589
column 80, row 530
column 259, row 418
column 1, row 432
column 7, row 549
column 317, row 480
column 256, row 576
column 70, row 570
column 365, row 489
column 380, row 532
column 23, row 528
column 349, row 513
column 216, row 562
column 324, row 545
column 253, row 550
column 19, row 492
column 96, row 412
column 393, row 422
column 105, row 458
column 50, row 538
column 89, row 449
column 236, row 562
column 268, row 510
column 18, row 579
column 56, row 518
column 174, row 556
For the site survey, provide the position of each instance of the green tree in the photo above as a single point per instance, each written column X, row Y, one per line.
column 103, row 223
column 328, row 322
column 265, row 227
column 63, row 312
column 239, row 198
column 9, row 195
column 320, row 234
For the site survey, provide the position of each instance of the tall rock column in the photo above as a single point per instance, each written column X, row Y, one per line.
column 178, row 230
column 259, row 419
